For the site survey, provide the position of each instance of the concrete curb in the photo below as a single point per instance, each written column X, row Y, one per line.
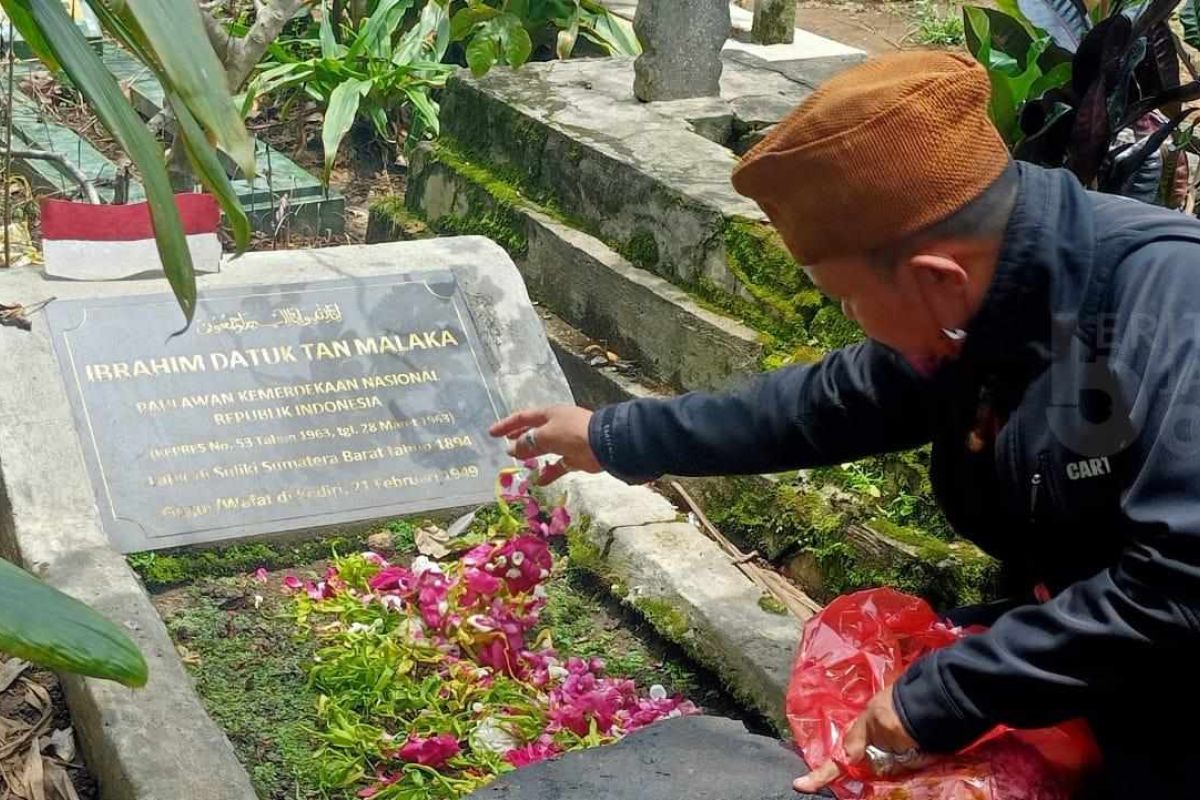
column 684, row 585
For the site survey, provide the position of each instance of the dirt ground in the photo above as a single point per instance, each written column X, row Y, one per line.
column 876, row 26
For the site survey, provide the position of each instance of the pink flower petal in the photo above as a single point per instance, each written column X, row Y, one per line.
column 260, row 574
column 432, row 752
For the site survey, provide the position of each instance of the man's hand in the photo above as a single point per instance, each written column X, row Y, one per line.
column 558, row 430
column 879, row 725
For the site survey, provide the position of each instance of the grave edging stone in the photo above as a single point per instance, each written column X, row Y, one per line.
column 683, row 583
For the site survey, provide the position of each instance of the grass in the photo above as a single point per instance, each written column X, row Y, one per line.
column 240, row 642
column 249, row 669
column 937, row 26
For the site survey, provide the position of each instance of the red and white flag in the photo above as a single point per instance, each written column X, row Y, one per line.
column 87, row 242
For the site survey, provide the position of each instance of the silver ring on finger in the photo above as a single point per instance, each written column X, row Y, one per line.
column 530, row 440
column 884, row 763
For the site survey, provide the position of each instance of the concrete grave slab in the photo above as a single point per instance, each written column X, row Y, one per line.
column 157, row 743
column 698, row 758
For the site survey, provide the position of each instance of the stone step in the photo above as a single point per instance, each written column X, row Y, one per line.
column 685, row 586
column 642, row 317
column 638, row 175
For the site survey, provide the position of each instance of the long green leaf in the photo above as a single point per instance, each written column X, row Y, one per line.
column 425, row 110
column 1059, row 76
column 174, row 32
column 1189, row 15
column 106, row 99
column 329, row 43
column 606, row 29
column 41, row 624
column 211, row 172
column 22, row 20
column 379, row 28
column 343, row 107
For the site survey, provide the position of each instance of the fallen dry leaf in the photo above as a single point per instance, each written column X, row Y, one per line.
column 432, row 541
column 187, row 656
column 60, row 781
column 10, row 671
column 34, row 779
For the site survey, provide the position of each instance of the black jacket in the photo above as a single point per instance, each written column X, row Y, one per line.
column 1086, row 351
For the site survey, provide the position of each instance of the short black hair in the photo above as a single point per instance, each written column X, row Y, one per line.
column 985, row 217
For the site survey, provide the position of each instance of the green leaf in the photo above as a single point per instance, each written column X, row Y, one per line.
column 106, row 99
column 602, row 27
column 22, row 20
column 978, row 30
column 211, row 172
column 329, row 42
column 425, row 110
column 481, row 53
column 41, row 624
column 379, row 28
column 1059, row 76
column 514, row 40
column 434, row 25
column 1189, row 15
column 343, row 107
column 174, row 33
column 465, row 20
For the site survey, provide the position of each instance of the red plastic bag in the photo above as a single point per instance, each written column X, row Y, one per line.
column 860, row 644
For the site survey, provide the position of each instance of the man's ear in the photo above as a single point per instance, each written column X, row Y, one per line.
column 942, row 283
column 937, row 272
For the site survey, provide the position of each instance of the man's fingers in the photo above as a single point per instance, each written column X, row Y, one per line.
column 527, row 446
column 818, row 779
column 530, row 418
column 855, row 742
column 552, row 472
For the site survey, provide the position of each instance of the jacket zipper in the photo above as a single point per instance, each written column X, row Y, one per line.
column 1035, row 486
column 1036, row 482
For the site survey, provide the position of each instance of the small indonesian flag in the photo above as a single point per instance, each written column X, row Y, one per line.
column 86, row 242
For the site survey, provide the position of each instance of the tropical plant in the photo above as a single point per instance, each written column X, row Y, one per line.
column 168, row 37
column 373, row 71
column 41, row 624
column 386, row 63
column 1096, row 90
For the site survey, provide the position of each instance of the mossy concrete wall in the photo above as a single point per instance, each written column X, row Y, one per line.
column 644, row 318
column 830, row 543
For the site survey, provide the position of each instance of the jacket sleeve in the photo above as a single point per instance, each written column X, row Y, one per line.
column 857, row 401
column 1042, row 664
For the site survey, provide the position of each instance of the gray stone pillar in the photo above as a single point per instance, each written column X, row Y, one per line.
column 681, row 48
column 774, row 22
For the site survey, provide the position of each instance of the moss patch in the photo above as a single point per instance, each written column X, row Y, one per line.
column 642, row 250
column 249, row 671
column 805, row 523
column 167, row 568
column 388, row 220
